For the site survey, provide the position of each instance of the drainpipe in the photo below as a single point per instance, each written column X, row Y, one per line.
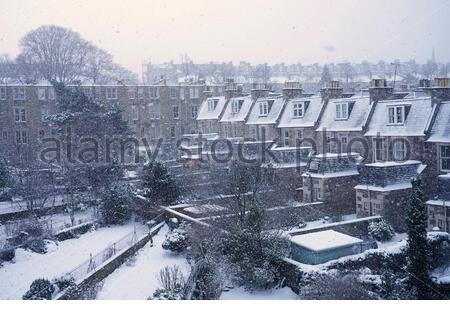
column 446, row 217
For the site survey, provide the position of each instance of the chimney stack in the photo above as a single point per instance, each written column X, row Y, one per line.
column 440, row 89
column 379, row 90
column 292, row 89
column 331, row 90
column 231, row 88
column 259, row 90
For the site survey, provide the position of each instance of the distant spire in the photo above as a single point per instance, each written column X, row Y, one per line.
column 433, row 56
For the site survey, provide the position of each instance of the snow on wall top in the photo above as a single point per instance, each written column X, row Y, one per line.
column 230, row 116
column 440, row 132
column 277, row 103
column 418, row 112
column 324, row 240
column 205, row 113
column 311, row 114
column 359, row 106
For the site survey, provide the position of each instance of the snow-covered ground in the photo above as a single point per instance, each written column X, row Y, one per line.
column 137, row 278
column 19, row 206
column 17, row 275
column 275, row 294
column 55, row 222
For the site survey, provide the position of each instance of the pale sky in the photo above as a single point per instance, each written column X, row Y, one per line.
column 258, row 31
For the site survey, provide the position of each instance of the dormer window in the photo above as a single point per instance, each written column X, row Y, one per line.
column 342, row 111
column 212, row 104
column 236, row 106
column 263, row 108
column 298, row 110
column 396, row 115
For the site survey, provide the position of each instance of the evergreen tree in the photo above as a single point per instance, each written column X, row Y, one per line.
column 255, row 252
column 418, row 248
column 159, row 185
column 116, row 206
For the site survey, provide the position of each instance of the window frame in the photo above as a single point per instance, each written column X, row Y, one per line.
column 176, row 115
column 20, row 115
column 194, row 111
column 342, row 149
column 339, row 109
column 111, row 93
column 20, row 97
column 394, row 116
column 40, row 92
column 135, row 113
column 298, row 110
column 382, row 149
column 263, row 108
column 446, row 158
column 3, row 93
column 396, row 150
column 235, row 107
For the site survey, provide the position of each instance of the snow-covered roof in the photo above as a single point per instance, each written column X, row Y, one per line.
column 418, row 114
column 360, row 107
column 440, row 131
column 440, row 203
column 311, row 114
column 325, row 240
column 276, row 104
column 206, row 113
column 392, row 163
column 245, row 106
column 391, row 187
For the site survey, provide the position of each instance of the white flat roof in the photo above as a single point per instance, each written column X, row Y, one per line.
column 324, row 240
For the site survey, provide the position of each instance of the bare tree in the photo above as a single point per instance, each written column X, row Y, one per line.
column 58, row 53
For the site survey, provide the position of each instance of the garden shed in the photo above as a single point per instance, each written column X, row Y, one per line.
column 323, row 246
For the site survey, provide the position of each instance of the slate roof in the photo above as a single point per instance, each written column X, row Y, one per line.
column 246, row 104
column 205, row 114
column 419, row 112
column 313, row 104
column 440, row 131
column 277, row 103
column 360, row 106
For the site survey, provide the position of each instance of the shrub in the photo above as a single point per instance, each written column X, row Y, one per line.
column 64, row 282
column 172, row 282
column 40, row 289
column 335, row 287
column 116, row 206
column 381, row 230
column 163, row 294
column 37, row 245
column 177, row 239
column 209, row 273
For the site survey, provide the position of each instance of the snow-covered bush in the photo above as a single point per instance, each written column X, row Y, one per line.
column 335, row 287
column 40, row 289
column 254, row 253
column 163, row 294
column 381, row 230
column 64, row 282
column 172, row 282
column 116, row 206
column 177, row 240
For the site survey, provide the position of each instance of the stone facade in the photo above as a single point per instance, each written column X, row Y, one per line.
column 153, row 112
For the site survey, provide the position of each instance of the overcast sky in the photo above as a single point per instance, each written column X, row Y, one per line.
column 258, row 31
